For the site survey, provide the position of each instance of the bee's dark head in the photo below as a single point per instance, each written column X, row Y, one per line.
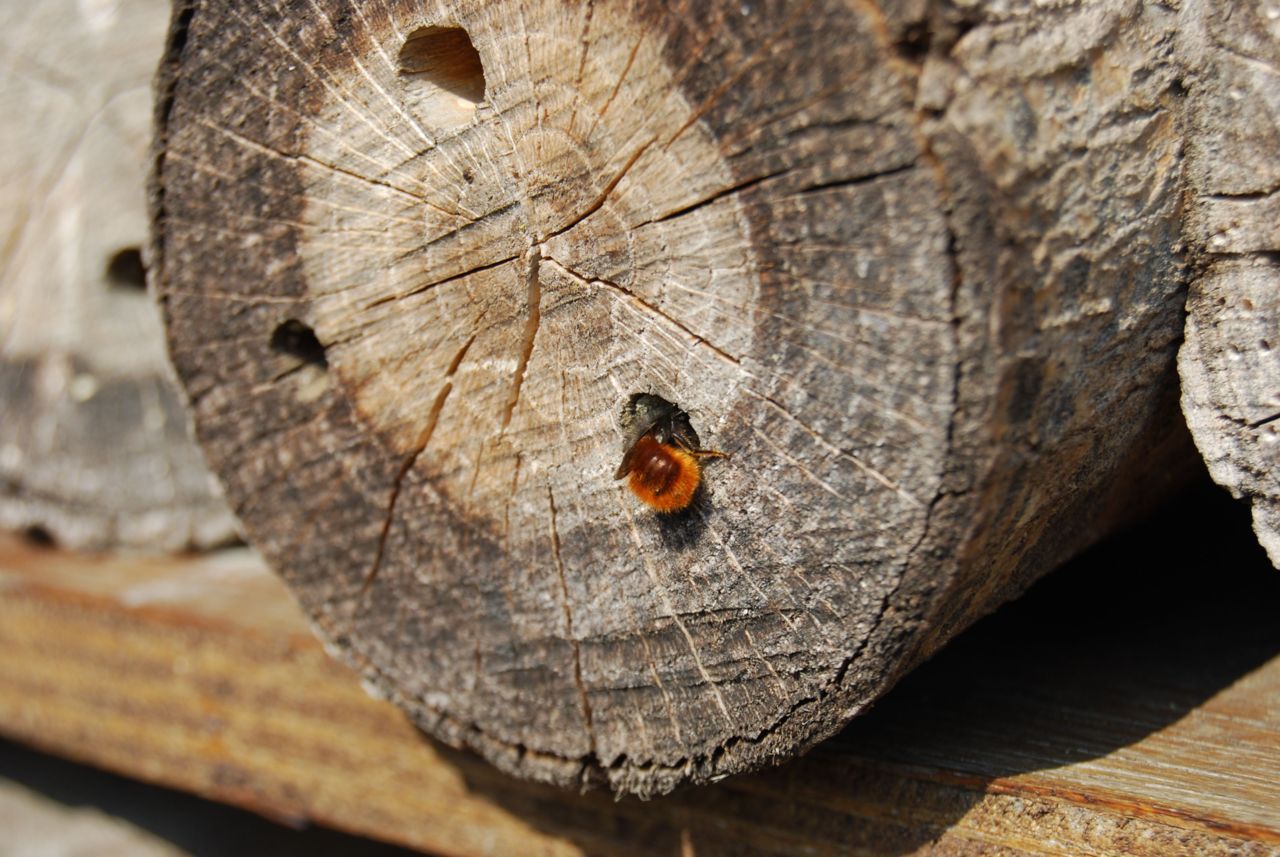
column 645, row 410
column 645, row 413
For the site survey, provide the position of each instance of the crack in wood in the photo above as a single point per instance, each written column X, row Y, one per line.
column 475, row 221
column 515, row 483
column 572, row 124
column 379, row 88
column 419, row 289
column 674, row 616
column 854, row 181
column 1264, row 421
column 532, row 260
column 1244, row 196
column 622, row 290
column 376, row 182
column 583, row 700
column 857, row 462
column 424, row 438
column 365, row 114
column 744, row 575
column 308, row 160
column 338, row 140
column 616, row 87
column 731, row 80
column 799, row 466
column 715, row 197
column 603, row 196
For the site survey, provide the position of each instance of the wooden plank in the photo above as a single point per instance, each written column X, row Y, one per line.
column 1151, row 728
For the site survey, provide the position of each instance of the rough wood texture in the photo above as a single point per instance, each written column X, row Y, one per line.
column 1230, row 364
column 1156, row 733
column 94, row 448
column 918, row 274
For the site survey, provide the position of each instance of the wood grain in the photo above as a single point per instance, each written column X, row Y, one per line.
column 94, row 448
column 915, row 268
column 1152, row 729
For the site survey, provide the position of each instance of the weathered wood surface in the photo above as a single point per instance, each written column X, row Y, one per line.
column 919, row 275
column 94, row 448
column 1230, row 364
column 1153, row 729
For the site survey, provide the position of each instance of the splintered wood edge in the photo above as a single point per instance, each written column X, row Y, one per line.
column 1229, row 363
column 200, row 674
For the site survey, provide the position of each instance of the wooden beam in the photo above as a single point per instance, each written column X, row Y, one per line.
column 1152, row 733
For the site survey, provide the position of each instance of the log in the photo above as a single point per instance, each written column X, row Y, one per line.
column 1229, row 364
column 94, row 447
column 916, row 270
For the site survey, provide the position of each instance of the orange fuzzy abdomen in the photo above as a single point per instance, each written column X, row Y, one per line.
column 665, row 477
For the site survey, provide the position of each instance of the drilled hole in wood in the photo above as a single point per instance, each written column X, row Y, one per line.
column 298, row 340
column 125, row 270
column 915, row 41
column 443, row 75
column 38, row 535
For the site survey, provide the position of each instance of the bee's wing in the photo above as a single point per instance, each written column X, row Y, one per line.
column 625, row 467
column 637, row 430
column 629, row 457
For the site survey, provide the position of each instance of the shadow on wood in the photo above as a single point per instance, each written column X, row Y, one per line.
column 197, row 828
column 1088, row 670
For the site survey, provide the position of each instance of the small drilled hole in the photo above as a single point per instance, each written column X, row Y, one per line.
column 125, row 270
column 443, row 74
column 39, row 536
column 914, row 44
column 297, row 340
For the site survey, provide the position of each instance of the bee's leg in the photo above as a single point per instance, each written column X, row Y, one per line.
column 699, row 453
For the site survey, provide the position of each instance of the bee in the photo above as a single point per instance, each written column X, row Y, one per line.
column 661, row 453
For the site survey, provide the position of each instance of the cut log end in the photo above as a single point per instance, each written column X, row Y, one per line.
column 481, row 238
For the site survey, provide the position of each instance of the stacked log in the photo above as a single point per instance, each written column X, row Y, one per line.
column 94, row 448
column 919, row 269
